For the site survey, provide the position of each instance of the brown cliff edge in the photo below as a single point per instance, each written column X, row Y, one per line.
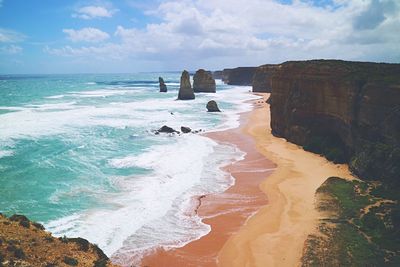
column 26, row 243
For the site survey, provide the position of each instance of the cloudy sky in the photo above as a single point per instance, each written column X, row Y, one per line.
column 46, row 36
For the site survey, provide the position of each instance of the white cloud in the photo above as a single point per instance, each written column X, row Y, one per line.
column 11, row 49
column 92, row 12
column 86, row 35
column 223, row 33
column 10, row 36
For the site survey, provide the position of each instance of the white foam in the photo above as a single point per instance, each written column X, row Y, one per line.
column 55, row 96
column 6, row 153
column 150, row 210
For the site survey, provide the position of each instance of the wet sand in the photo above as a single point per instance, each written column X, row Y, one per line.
column 265, row 218
column 225, row 212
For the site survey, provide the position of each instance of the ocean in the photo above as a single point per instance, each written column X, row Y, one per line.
column 78, row 154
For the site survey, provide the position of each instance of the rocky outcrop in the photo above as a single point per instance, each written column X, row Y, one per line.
column 212, row 106
column 185, row 129
column 163, row 86
column 26, row 243
column 262, row 78
column 203, row 82
column 185, row 90
column 166, row 129
column 239, row 76
column 347, row 111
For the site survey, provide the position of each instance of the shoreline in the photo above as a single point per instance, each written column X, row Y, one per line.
column 225, row 212
column 271, row 228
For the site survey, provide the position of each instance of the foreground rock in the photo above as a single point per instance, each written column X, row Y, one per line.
column 262, row 78
column 203, row 82
column 185, row 90
column 347, row 111
column 212, row 106
column 26, row 243
column 239, row 76
column 163, row 86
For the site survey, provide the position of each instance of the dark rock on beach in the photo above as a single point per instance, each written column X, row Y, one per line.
column 163, row 86
column 185, row 90
column 212, row 106
column 185, row 129
column 203, row 82
column 166, row 129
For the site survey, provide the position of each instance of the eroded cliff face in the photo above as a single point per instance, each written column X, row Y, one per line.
column 239, row 76
column 262, row 78
column 347, row 111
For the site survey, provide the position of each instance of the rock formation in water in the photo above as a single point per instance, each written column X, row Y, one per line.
column 239, row 76
column 203, row 82
column 185, row 129
column 347, row 111
column 262, row 78
column 163, row 86
column 26, row 243
column 185, row 90
column 166, row 129
column 212, row 106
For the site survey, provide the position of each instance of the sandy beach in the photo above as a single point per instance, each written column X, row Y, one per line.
column 264, row 219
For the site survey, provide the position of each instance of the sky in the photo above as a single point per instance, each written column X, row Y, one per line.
column 104, row 36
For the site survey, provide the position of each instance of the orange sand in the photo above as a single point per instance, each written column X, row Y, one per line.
column 275, row 234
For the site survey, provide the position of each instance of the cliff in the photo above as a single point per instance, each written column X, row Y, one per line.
column 239, row 76
column 203, row 82
column 262, row 78
column 347, row 111
column 26, row 243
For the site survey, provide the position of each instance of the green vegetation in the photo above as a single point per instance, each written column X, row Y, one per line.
column 70, row 261
column 364, row 230
column 327, row 145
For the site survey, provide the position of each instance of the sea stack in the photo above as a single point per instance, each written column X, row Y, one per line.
column 163, row 87
column 212, row 106
column 185, row 90
column 203, row 82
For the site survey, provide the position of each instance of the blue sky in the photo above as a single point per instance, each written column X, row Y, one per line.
column 45, row 36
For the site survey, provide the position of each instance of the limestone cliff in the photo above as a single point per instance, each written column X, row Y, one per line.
column 26, row 243
column 348, row 111
column 203, row 82
column 185, row 89
column 262, row 78
column 239, row 76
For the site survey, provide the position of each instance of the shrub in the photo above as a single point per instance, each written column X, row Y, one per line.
column 70, row 261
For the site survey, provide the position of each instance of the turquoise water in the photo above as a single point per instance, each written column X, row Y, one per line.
column 75, row 149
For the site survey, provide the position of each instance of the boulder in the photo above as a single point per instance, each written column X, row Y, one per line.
column 203, row 82
column 212, row 106
column 185, row 129
column 163, row 87
column 185, row 90
column 166, row 129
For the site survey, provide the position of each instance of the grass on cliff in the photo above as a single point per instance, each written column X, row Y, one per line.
column 362, row 228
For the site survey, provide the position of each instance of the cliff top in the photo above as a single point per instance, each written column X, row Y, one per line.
column 340, row 69
column 26, row 243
